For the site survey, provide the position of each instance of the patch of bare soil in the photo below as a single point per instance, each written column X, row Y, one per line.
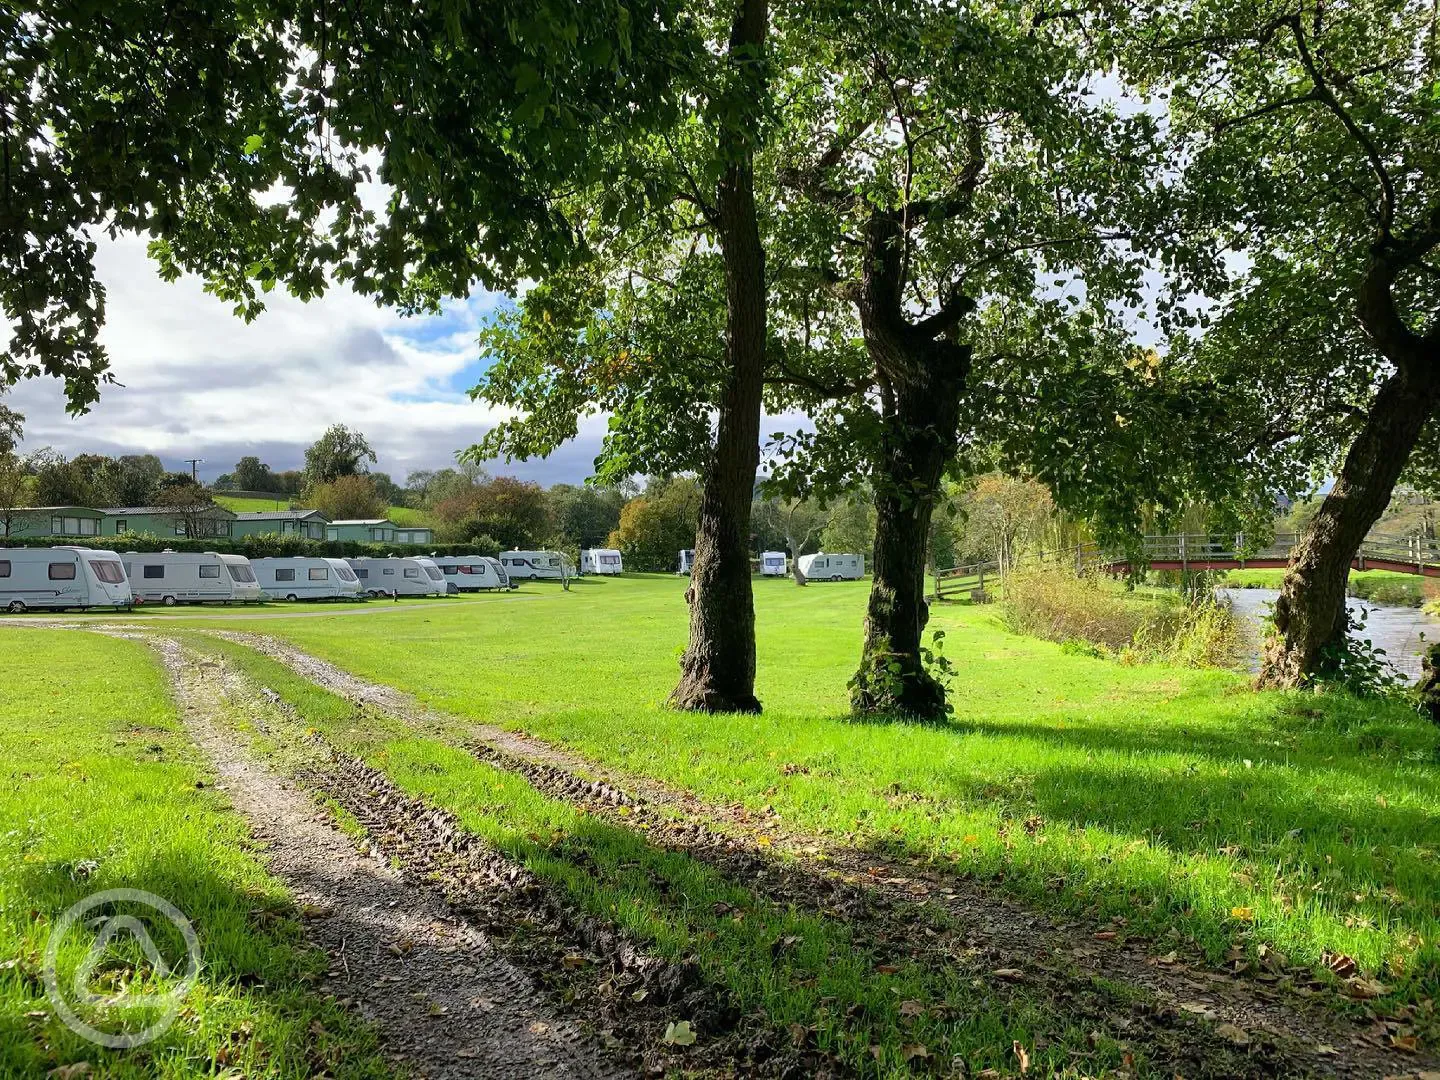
column 445, row 1001
column 1264, row 1014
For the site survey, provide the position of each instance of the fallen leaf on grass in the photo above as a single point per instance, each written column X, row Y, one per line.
column 1008, row 974
column 1199, row 1008
column 1408, row 1043
column 70, row 1072
column 1105, row 935
column 913, row 1052
column 1234, row 1033
column 1365, row 989
column 798, row 1034
column 573, row 961
column 911, row 1009
column 1021, row 1055
column 1244, row 914
column 1341, row 965
column 679, row 1033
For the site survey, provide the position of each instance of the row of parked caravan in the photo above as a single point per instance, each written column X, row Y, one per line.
column 75, row 577
column 821, row 566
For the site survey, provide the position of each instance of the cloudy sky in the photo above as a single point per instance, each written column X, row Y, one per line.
column 195, row 381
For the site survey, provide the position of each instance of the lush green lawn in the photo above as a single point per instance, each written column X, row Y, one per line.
column 853, row 1001
column 400, row 515
column 100, row 789
column 1178, row 799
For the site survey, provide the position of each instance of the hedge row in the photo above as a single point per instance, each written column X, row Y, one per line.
column 267, row 545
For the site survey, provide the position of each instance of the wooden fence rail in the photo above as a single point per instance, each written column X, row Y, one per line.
column 1197, row 551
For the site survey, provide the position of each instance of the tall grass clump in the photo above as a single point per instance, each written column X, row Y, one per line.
column 1199, row 630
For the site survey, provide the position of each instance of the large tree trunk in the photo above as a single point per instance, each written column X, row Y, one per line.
column 1310, row 613
column 921, row 379
column 920, row 437
column 718, row 669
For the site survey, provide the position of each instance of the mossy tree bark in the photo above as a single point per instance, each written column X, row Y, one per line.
column 718, row 668
column 1310, row 612
column 921, row 376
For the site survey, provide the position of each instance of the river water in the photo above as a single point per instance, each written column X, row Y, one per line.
column 1397, row 630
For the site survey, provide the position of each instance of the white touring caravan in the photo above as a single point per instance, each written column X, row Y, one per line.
column 306, row 577
column 471, row 573
column 823, row 567
column 773, row 564
column 191, row 577
column 410, row 576
column 687, row 561
column 61, row 577
column 601, row 561
column 533, row 565
column 501, row 573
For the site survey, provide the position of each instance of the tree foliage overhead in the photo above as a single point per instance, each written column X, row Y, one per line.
column 179, row 120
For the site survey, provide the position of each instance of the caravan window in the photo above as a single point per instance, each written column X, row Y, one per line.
column 433, row 572
column 210, row 573
column 344, row 573
column 5, row 568
column 111, row 573
column 285, row 573
column 242, row 574
column 609, row 560
column 62, row 571
column 361, row 573
column 410, row 571
column 319, row 573
column 153, row 571
column 451, row 571
column 390, row 570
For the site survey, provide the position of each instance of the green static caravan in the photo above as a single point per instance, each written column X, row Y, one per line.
column 52, row 521
column 214, row 522
column 378, row 531
column 305, row 524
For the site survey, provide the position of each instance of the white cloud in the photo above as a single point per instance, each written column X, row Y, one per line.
column 195, row 381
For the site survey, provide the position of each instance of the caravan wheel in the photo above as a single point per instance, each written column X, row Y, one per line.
column 170, row 601
column 291, row 597
column 836, row 577
column 17, row 607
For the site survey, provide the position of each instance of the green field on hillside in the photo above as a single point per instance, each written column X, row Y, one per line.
column 1175, row 799
column 400, row 515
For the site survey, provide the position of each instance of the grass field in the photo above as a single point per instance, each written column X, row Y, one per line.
column 400, row 515
column 1177, row 800
column 101, row 789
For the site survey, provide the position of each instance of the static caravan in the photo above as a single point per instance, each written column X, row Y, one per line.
column 410, row 576
column 61, row 577
column 532, row 565
column 823, row 567
column 773, row 564
column 470, row 573
column 601, row 561
column 307, row 577
column 185, row 577
column 687, row 561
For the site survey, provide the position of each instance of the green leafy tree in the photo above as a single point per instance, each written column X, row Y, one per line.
column 339, row 452
column 658, row 524
column 252, row 474
column 180, row 120
column 347, row 498
column 1310, row 144
column 12, row 426
column 191, row 507
column 851, row 528
column 14, row 493
column 584, row 516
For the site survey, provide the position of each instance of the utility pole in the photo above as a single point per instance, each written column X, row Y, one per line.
column 195, row 463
